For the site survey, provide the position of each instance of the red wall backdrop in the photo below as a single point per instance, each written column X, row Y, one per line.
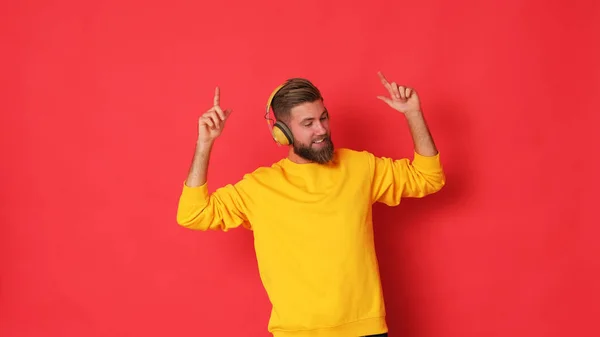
column 99, row 109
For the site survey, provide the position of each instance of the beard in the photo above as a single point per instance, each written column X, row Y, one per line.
column 322, row 155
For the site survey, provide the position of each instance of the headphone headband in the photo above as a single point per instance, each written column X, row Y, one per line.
column 272, row 96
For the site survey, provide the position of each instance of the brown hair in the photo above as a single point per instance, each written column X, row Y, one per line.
column 295, row 91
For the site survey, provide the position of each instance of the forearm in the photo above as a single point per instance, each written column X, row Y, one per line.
column 422, row 140
column 199, row 167
column 198, row 209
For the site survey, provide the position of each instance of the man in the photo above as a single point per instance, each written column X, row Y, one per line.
column 310, row 212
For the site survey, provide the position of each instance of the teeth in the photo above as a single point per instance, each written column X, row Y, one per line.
column 319, row 141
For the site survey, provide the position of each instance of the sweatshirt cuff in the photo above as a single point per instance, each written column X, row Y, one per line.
column 427, row 163
column 195, row 192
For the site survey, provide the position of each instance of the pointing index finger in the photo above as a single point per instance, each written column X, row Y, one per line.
column 386, row 84
column 217, row 96
column 383, row 80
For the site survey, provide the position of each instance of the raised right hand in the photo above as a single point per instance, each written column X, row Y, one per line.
column 211, row 123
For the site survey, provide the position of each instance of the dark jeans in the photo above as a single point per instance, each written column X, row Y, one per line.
column 380, row 335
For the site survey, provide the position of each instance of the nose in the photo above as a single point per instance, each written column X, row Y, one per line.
column 320, row 128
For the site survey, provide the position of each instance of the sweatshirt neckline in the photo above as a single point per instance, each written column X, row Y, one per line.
column 288, row 164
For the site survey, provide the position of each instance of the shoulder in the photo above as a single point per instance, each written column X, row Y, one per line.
column 356, row 161
column 263, row 173
column 346, row 155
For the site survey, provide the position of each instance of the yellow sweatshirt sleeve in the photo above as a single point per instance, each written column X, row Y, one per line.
column 401, row 178
column 224, row 209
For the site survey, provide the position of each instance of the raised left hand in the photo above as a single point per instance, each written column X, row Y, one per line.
column 402, row 98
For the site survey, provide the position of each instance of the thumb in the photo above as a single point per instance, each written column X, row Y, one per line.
column 385, row 99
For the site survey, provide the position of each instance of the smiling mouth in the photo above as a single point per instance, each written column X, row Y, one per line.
column 320, row 141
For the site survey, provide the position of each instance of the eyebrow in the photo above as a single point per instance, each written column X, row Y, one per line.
column 311, row 118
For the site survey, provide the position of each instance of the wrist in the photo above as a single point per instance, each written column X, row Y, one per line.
column 413, row 114
column 202, row 144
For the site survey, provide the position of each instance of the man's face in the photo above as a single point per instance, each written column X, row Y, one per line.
column 310, row 126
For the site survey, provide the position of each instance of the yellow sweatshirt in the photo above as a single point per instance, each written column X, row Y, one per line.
column 313, row 234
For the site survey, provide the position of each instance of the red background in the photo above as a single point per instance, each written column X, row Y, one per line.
column 99, row 109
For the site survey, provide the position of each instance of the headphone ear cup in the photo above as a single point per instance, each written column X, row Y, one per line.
column 282, row 134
